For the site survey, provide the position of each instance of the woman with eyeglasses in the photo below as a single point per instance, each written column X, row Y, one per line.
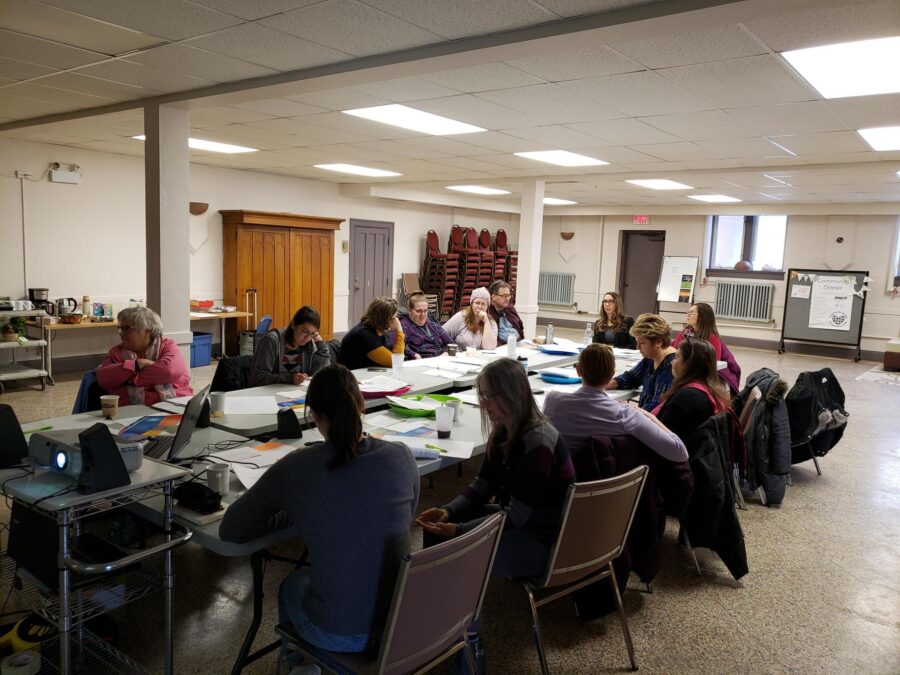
column 473, row 326
column 351, row 500
column 613, row 326
column 145, row 367
column 291, row 355
column 700, row 322
column 424, row 336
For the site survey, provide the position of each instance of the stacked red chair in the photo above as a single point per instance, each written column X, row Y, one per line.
column 496, row 263
column 439, row 275
column 511, row 257
column 470, row 267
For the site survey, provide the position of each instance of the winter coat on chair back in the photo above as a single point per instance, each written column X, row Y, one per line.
column 817, row 416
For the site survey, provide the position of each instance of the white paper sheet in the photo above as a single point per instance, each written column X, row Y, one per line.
column 561, row 372
column 250, row 405
column 470, row 397
column 203, row 315
column 446, row 374
column 381, row 383
column 410, row 404
column 180, row 400
column 380, row 420
column 402, row 426
column 831, row 305
column 798, row 291
column 294, row 393
column 447, row 447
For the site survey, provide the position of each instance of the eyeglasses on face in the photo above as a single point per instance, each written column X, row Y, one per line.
column 307, row 333
column 608, row 302
column 691, row 312
column 503, row 295
column 124, row 330
column 485, row 397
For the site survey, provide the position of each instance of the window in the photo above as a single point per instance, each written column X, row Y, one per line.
column 758, row 240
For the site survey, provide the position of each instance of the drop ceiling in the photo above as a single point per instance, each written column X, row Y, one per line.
column 658, row 91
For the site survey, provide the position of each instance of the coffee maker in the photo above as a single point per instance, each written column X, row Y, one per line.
column 40, row 298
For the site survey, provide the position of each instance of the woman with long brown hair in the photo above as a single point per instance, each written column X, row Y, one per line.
column 613, row 326
column 473, row 326
column 369, row 342
column 700, row 322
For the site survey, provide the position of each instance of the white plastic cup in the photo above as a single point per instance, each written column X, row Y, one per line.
column 444, row 416
column 471, row 351
column 218, row 478
column 457, row 408
column 511, row 348
column 217, row 402
column 397, row 362
column 109, row 404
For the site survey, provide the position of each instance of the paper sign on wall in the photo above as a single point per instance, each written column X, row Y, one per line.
column 831, row 305
column 800, row 291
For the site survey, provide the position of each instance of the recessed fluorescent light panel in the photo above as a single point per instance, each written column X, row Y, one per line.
column 478, row 189
column 660, row 184
column 556, row 201
column 851, row 68
column 210, row 146
column 714, row 199
column 882, row 138
column 417, row 120
column 357, row 170
column 561, row 158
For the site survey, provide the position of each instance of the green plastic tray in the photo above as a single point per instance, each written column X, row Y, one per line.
column 406, row 412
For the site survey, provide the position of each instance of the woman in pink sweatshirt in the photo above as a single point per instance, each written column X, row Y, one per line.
column 146, row 367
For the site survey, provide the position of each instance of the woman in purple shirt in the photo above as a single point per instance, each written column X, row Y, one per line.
column 424, row 335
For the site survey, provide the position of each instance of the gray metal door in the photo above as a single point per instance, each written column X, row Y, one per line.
column 642, row 258
column 371, row 264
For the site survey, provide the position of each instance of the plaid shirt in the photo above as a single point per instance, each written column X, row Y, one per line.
column 655, row 383
column 428, row 340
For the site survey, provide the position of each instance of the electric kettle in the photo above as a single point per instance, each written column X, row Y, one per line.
column 66, row 305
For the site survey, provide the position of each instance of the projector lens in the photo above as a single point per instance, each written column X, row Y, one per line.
column 61, row 460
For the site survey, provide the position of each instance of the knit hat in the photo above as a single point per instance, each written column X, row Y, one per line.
column 480, row 293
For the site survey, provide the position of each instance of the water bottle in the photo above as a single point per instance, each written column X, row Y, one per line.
column 588, row 334
column 549, row 339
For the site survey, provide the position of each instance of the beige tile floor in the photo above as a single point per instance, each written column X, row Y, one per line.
column 822, row 595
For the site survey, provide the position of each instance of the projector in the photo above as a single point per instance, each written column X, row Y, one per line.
column 60, row 451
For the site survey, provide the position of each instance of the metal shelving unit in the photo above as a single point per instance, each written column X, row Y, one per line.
column 16, row 371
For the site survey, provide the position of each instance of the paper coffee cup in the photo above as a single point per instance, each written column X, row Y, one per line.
column 217, row 402
column 109, row 404
column 218, row 478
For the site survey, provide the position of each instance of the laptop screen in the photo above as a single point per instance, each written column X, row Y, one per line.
column 188, row 423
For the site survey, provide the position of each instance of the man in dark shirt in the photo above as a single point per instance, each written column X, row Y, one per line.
column 501, row 310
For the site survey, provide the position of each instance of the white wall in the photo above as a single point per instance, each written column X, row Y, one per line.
column 89, row 238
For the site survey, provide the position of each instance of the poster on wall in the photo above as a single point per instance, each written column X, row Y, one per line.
column 831, row 302
column 677, row 278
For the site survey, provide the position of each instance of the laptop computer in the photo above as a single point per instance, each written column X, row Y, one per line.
column 161, row 445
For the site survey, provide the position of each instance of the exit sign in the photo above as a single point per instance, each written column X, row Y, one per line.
column 640, row 220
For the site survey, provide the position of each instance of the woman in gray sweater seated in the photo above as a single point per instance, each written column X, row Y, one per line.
column 293, row 354
column 351, row 500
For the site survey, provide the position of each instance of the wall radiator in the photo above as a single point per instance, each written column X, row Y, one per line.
column 743, row 300
column 556, row 288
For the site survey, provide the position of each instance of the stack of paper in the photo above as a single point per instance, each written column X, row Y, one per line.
column 561, row 372
column 444, row 447
column 424, row 403
column 250, row 405
column 381, row 383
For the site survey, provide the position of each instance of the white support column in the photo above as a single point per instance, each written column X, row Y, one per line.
column 167, row 195
column 531, row 225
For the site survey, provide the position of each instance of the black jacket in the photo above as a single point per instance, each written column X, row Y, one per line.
column 815, row 407
column 768, row 435
column 711, row 520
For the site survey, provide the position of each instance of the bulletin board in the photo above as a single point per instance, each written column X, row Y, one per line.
column 677, row 279
column 824, row 306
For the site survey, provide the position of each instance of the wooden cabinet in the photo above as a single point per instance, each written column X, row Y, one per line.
column 288, row 259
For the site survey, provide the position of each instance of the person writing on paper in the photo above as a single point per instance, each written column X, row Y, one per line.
column 424, row 336
column 145, row 367
column 369, row 342
column 473, row 326
column 614, row 326
column 504, row 314
column 293, row 354
column 350, row 499
column 700, row 322
column 654, row 371
column 580, row 415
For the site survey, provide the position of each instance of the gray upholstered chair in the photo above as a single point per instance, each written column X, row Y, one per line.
column 438, row 594
column 596, row 519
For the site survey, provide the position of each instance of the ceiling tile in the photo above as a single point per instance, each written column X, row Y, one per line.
column 552, row 136
column 451, row 146
column 742, row 147
column 789, row 118
column 187, row 60
column 279, row 107
column 49, row 23
column 868, row 111
column 124, row 146
column 70, row 99
column 256, row 9
column 828, row 25
column 144, row 76
column 638, row 94
column 43, row 52
column 741, row 82
column 464, row 18
column 398, row 149
column 339, row 99
column 171, row 19
column 474, row 110
column 576, row 64
column 615, row 155
column 202, row 117
column 266, row 47
column 351, row 27
column 471, row 163
column 405, row 89
column 825, row 143
column 681, row 49
column 550, row 103
column 841, row 157
column 19, row 70
column 624, row 132
column 23, row 108
column 701, row 124
column 254, row 137
column 74, row 81
column 331, row 128
column 483, row 78
column 674, row 152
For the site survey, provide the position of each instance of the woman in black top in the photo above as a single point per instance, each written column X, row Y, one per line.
column 696, row 393
column 613, row 326
column 369, row 342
